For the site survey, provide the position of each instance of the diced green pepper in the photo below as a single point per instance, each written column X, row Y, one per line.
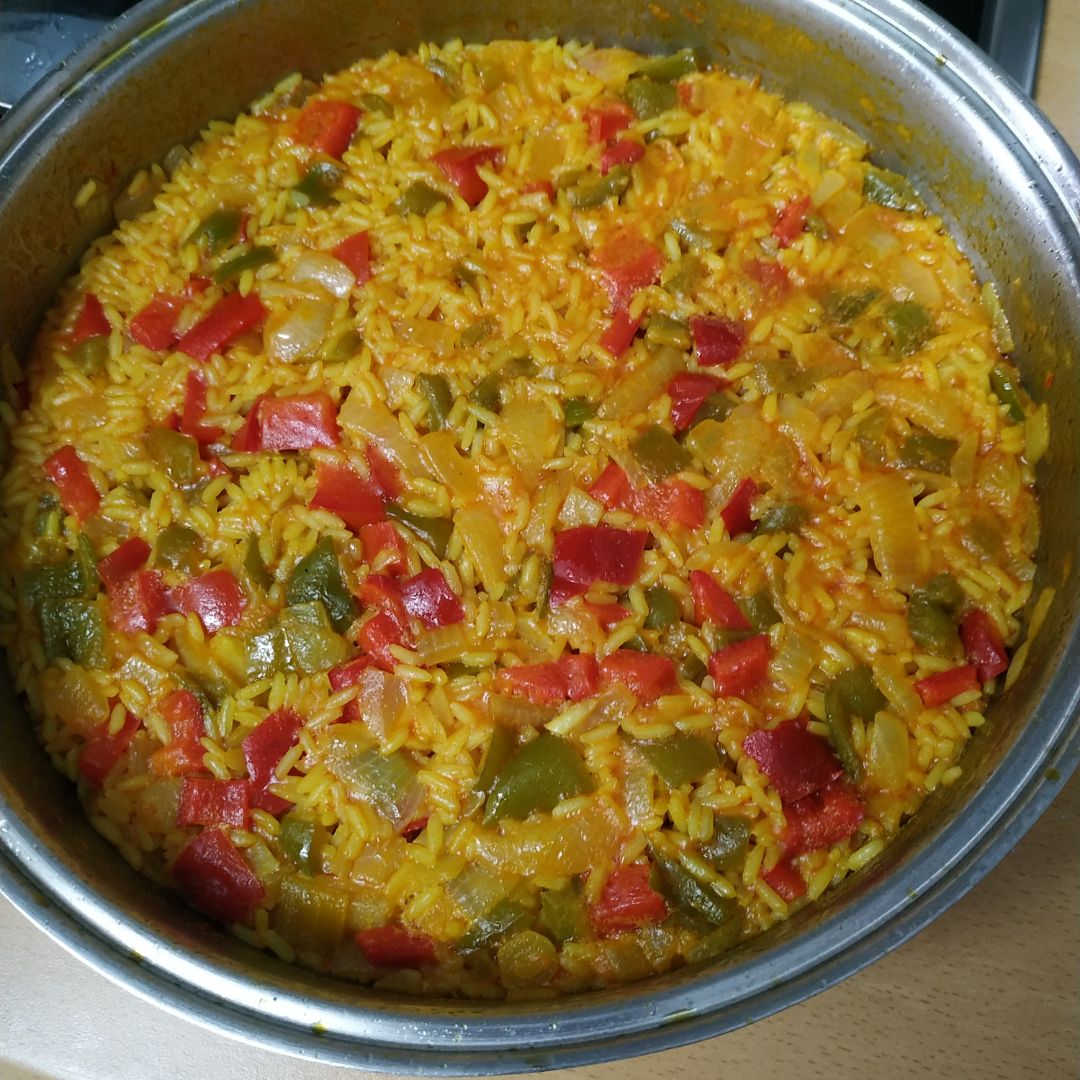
column 695, row 237
column 890, row 189
column 543, row 590
column 488, row 393
column 691, row 667
column 91, row 354
column 681, row 276
column 318, row 576
column 576, row 411
column 177, row 454
column 932, row 628
column 717, row 406
column 592, row 192
column 526, row 958
column 500, row 749
column 478, row 333
column 1006, row 388
column 684, row 889
column 562, row 914
column 663, row 609
column 726, row 848
column 313, row 645
column 846, row 307
column 670, row 68
column 851, row 694
column 521, row 367
column 72, row 578
column 870, row 435
column 418, row 198
column 302, row 841
column 817, row 226
column 506, row 915
column 922, row 450
column 649, row 98
column 783, row 377
column 254, row 568
column 760, row 610
column 178, row 547
column 658, row 454
column 447, row 72
column 317, row 186
column 310, row 914
column 251, row 259
column 539, row 776
column 467, row 272
column 433, row 531
column 635, row 644
column 217, row 231
column 664, row 330
column 267, row 654
column 376, row 103
column 716, row 942
column 909, row 325
column 782, row 518
column 73, row 629
column 945, row 590
column 680, row 759
column 440, row 398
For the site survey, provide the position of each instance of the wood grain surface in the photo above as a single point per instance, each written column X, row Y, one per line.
column 990, row 991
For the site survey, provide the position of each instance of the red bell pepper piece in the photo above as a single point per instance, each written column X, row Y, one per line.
column 247, row 437
column 414, row 828
column 264, row 747
column 226, row 321
column 138, row 602
column 785, row 881
column 736, row 513
column 429, row 598
column 648, row 676
column 183, row 753
column 688, row 392
column 771, row 276
column 102, row 751
column 606, row 121
column 91, row 321
column 120, row 564
column 355, row 252
column 155, row 325
column 627, row 263
column 396, row 947
column 384, row 473
column 983, row 645
column 195, row 409
column 676, row 502
column 385, row 593
column 739, row 668
column 791, row 221
column 327, row 125
column 380, row 538
column 612, row 488
column 545, row 187
column 216, row 597
column 573, row 677
column 348, row 675
column 627, row 902
column 343, row 491
column 196, row 285
column 78, row 495
column 796, row 762
column 619, row 333
column 822, row 819
column 204, row 801
column 607, row 615
column 297, row 423
column 943, row 686
column 717, row 340
column 581, row 674
column 216, row 878
column 714, row 604
column 620, row 152
column 459, row 165
column 591, row 553
column 377, row 635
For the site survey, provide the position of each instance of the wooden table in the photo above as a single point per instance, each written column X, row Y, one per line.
column 990, row 990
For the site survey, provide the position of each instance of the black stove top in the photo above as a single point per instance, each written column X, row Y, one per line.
column 36, row 34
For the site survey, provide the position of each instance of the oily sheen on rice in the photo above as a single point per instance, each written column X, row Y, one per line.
column 453, row 314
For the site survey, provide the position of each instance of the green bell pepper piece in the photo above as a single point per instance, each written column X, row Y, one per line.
column 726, row 848
column 760, row 611
column 478, row 333
column 685, row 890
column 658, row 454
column 487, row 393
column 945, row 590
column 73, row 629
column 312, row 643
column 691, row 667
column 909, row 324
column 851, row 694
column 890, row 189
column 663, row 609
column 680, row 759
column 254, row 568
column 302, row 841
column 440, row 398
column 1005, row 386
column 922, row 450
column 418, row 198
column 539, row 776
column 178, row 547
column 782, row 518
column 717, row 406
column 783, row 377
column 562, row 914
column 670, row 68
column 251, row 259
column 931, row 625
column 664, row 330
column 543, row 591
column 498, row 921
column 91, row 354
column 681, row 276
column 267, row 654
column 846, row 307
column 648, row 97
column 376, row 103
column 217, row 231
column 590, row 193
column 500, row 749
column 433, row 531
column 317, row 186
column 178, row 455
column 318, row 576
column 716, row 942
column 576, row 411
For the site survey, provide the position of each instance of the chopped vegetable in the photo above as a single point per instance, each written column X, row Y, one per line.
column 791, row 221
column 251, row 259
column 429, row 598
column 726, row 849
column 852, row 694
column 103, row 749
column 226, row 321
column 931, row 624
column 216, row 597
column 572, row 677
column 663, row 609
column 255, row 568
column 606, row 121
column 539, row 776
column 501, row 919
column 311, row 915
column 342, row 490
column 591, row 553
column 302, row 841
column 590, row 193
column 900, row 554
column 621, row 152
column 78, row 494
column 796, row 762
column 658, row 454
column 488, row 393
column 264, row 747
column 712, row 604
column 627, row 902
column 317, row 186
column 355, row 252
column 154, row 326
column 921, row 450
column 686, row 891
column 736, row 512
column 562, row 914
column 1005, row 386
column 890, row 189
column 983, row 645
column 176, row 454
column 318, row 576
column 216, row 878
column 440, row 398
column 396, row 947
column 418, row 198
column 527, row 958
column 663, row 330
column 846, row 307
column 688, row 392
column 459, row 166
column 123, row 561
column 218, row 230
column 680, row 759
column 670, row 68
column 619, row 333
column 433, row 531
column 648, row 676
column 648, row 97
column 138, row 602
column 782, row 518
column 909, row 325
column 289, row 423
column 204, row 801
column 627, row 263
column 183, row 753
column 191, row 419
column 740, row 667
column 717, row 340
column 327, row 125
column 786, row 881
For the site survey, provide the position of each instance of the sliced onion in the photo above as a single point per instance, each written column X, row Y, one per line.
column 517, row 712
column 318, row 268
column 937, row 412
column 475, row 890
column 381, row 698
column 887, row 756
column 532, row 432
column 442, row 644
column 483, row 540
column 375, row 423
column 300, row 332
column 902, row 557
column 913, row 281
column 457, row 472
column 893, row 681
column 794, row 660
column 648, row 380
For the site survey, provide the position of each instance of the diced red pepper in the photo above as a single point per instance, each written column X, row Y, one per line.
column 459, row 165
column 620, row 333
column 612, row 488
column 771, row 276
column 822, row 819
column 195, row 285
column 581, row 673
column 355, row 252
column 620, row 152
column 78, row 495
column 717, row 340
column 297, row 423
column 797, row 762
column 385, row 593
column 380, row 538
column 377, row 635
column 647, row 675
column 247, row 438
column 345, row 676
column 785, row 881
column 736, row 513
column 343, row 491
column 627, row 263
column 264, row 747
column 138, row 602
column 327, row 125
column 155, row 325
column 675, row 502
column 591, row 553
column 627, row 902
column 741, row 667
column 937, row 689
column 123, row 562
column 195, row 409
column 606, row 121
column 204, row 801
column 791, row 221
column 429, row 598
column 607, row 615
column 545, row 187
column 226, row 321
column 983, row 645
column 91, row 321
column 414, row 828
column 396, row 947
column 688, row 392
column 384, row 473
column 714, row 604
column 686, row 92
column 102, row 751
column 574, row 677
column 216, row 878
column 183, row 753
column 216, row 597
